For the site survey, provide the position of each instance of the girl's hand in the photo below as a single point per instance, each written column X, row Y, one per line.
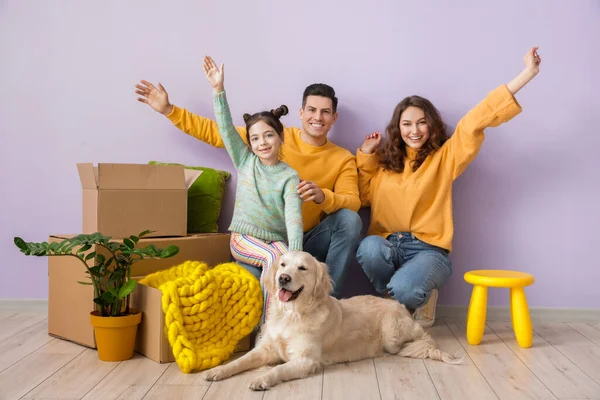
column 214, row 75
column 371, row 143
column 532, row 60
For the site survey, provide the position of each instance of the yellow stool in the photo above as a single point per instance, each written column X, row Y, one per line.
column 516, row 281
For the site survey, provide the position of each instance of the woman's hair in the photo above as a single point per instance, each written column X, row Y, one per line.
column 393, row 151
column 270, row 118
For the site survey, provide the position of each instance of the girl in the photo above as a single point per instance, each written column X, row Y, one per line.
column 408, row 183
column 267, row 218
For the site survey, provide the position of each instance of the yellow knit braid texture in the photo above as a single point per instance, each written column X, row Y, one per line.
column 207, row 310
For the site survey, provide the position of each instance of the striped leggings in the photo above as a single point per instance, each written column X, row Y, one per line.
column 258, row 253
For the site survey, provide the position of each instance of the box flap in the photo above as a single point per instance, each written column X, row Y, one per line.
column 88, row 175
column 140, row 176
column 190, row 176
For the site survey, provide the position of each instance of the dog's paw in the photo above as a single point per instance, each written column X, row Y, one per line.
column 216, row 374
column 260, row 384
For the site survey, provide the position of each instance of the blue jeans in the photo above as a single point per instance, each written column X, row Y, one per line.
column 404, row 266
column 334, row 241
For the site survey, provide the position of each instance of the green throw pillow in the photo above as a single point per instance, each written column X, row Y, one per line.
column 204, row 198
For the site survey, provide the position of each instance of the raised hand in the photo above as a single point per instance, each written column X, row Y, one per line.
column 309, row 191
column 157, row 98
column 214, row 75
column 532, row 60
column 371, row 143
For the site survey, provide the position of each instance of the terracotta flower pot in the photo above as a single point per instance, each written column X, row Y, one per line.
column 115, row 336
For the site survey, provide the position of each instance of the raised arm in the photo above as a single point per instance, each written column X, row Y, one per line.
column 367, row 163
column 236, row 147
column 532, row 62
column 202, row 128
column 498, row 107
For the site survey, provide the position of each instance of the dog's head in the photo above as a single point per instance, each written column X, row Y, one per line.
column 298, row 277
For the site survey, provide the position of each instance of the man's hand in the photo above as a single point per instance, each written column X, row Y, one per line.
column 309, row 191
column 157, row 98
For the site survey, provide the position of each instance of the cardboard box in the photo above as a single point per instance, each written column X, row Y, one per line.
column 125, row 199
column 151, row 338
column 70, row 303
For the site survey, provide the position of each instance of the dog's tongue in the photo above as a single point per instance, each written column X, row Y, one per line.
column 284, row 295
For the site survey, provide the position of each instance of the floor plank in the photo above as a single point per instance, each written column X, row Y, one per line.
column 590, row 331
column 23, row 343
column 310, row 388
column 176, row 392
column 406, row 379
column 130, row 380
column 456, row 382
column 580, row 350
column 557, row 372
column 507, row 375
column 355, row 380
column 174, row 376
column 23, row 376
column 18, row 322
column 237, row 387
column 75, row 379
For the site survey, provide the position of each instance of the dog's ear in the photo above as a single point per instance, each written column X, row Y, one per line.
column 269, row 277
column 323, row 285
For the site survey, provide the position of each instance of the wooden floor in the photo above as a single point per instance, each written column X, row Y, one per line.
column 564, row 363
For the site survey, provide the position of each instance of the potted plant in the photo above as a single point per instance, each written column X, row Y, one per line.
column 108, row 267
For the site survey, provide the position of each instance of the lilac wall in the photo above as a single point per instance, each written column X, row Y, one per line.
column 527, row 202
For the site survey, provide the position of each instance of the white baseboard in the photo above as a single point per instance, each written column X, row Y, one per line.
column 541, row 314
column 447, row 313
column 24, row 305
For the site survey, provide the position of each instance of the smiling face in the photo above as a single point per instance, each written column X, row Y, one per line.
column 297, row 277
column 317, row 117
column 264, row 142
column 414, row 128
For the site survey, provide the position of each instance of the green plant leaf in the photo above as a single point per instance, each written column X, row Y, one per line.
column 129, row 243
column 100, row 259
column 108, row 297
column 90, row 256
column 127, row 288
column 85, row 283
column 134, row 239
column 84, row 248
column 20, row 243
column 114, row 246
column 116, row 275
column 169, row 251
column 142, row 234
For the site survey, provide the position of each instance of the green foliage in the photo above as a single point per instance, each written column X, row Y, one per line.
column 111, row 274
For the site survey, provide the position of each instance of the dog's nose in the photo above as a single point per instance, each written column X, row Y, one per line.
column 284, row 278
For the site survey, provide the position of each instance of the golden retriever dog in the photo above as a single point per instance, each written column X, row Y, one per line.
column 306, row 328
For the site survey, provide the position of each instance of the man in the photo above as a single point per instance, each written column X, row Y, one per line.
column 328, row 173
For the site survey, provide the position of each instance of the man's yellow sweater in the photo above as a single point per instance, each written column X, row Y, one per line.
column 331, row 167
column 420, row 202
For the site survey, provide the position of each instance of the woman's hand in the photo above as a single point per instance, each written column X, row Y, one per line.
column 371, row 143
column 532, row 62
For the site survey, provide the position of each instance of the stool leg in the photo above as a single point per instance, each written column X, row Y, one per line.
column 520, row 317
column 477, row 314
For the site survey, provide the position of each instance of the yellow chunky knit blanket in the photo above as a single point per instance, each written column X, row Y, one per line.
column 207, row 310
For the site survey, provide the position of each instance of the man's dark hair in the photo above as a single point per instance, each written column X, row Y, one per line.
column 323, row 90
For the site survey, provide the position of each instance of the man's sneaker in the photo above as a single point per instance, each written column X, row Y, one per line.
column 426, row 314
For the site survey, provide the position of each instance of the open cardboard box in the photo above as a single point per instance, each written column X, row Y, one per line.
column 125, row 199
column 70, row 303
